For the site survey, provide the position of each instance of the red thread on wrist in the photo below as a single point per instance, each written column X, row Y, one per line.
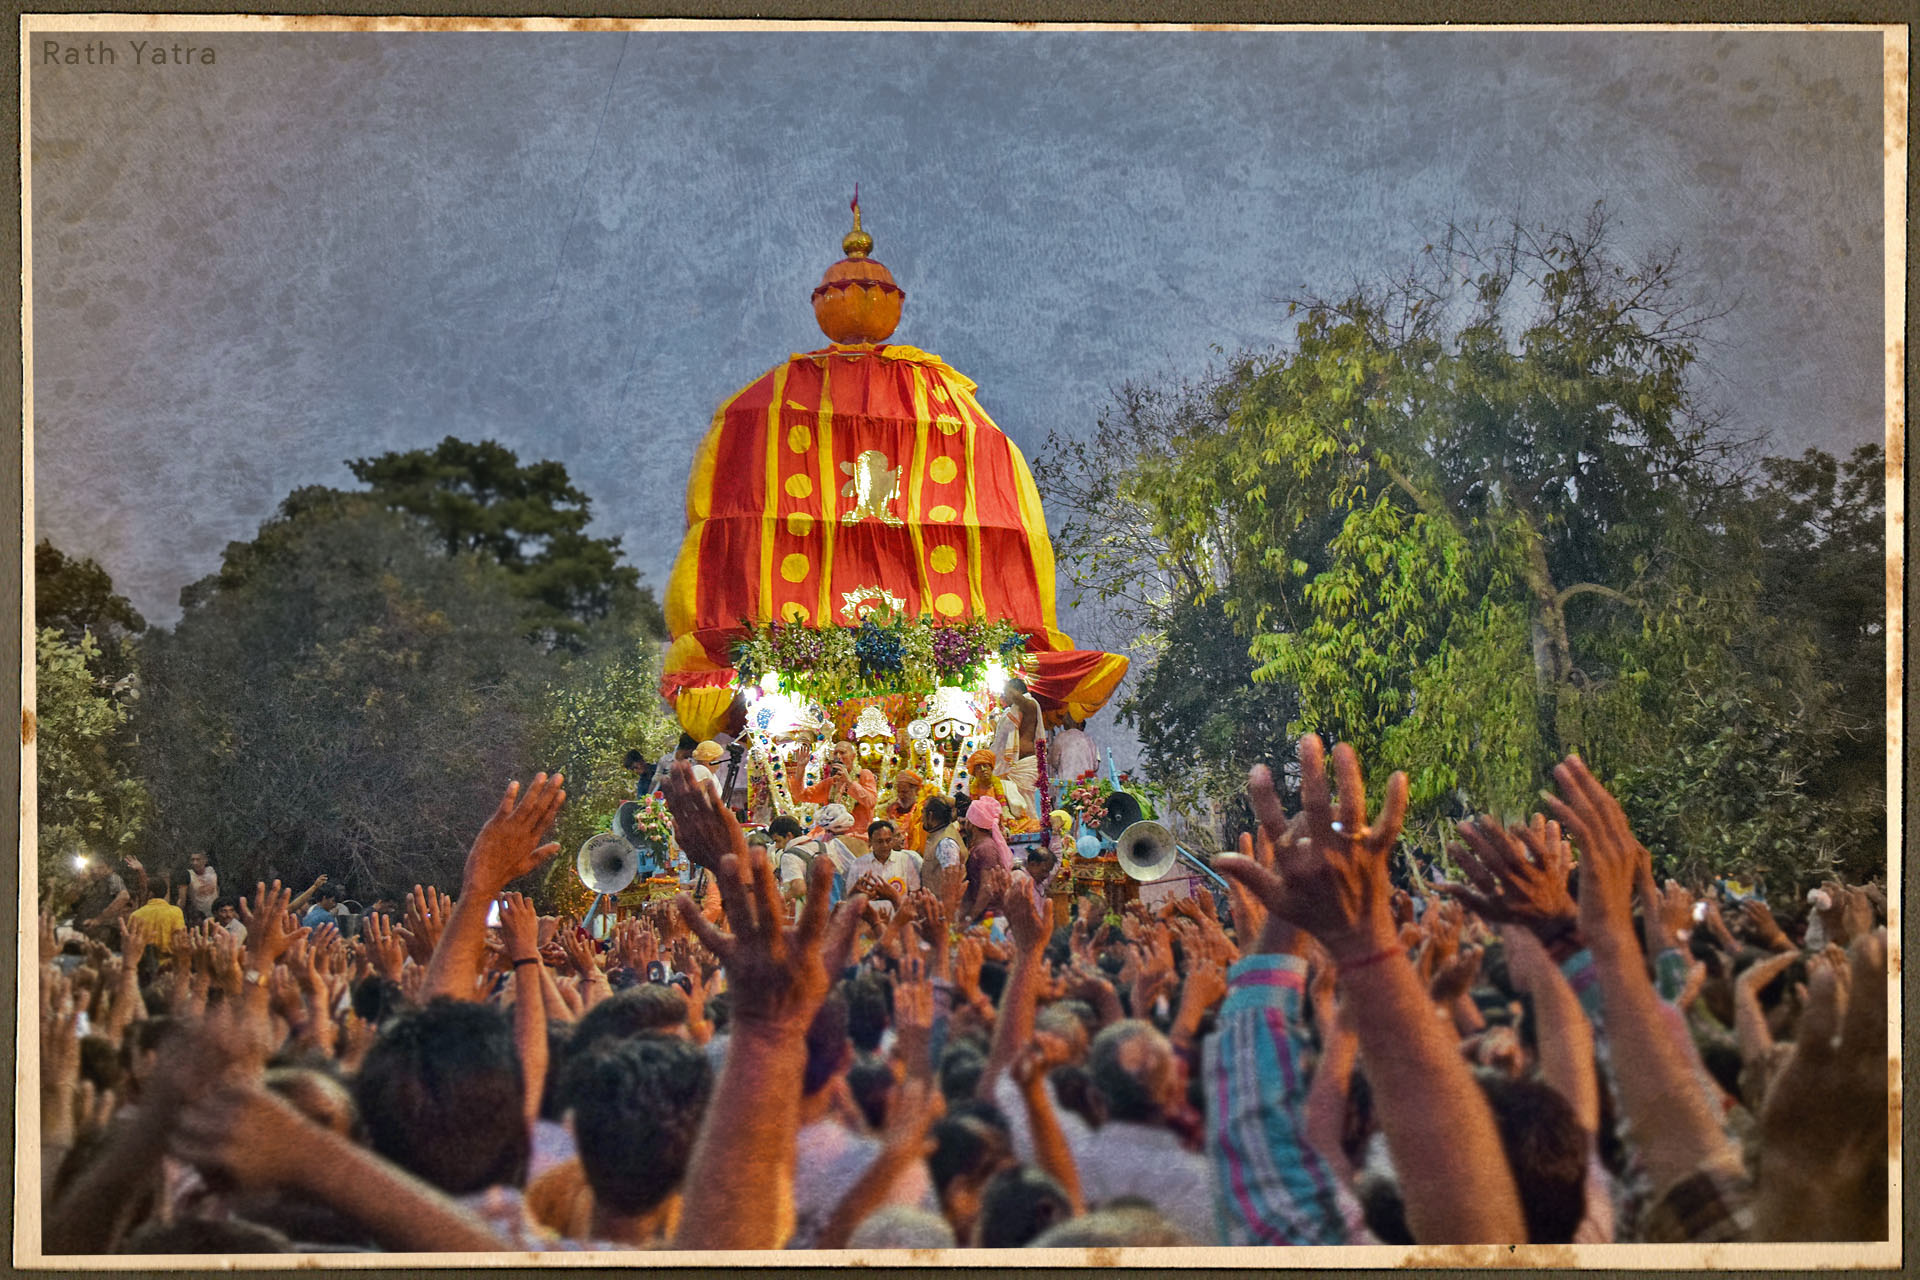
column 1348, row 966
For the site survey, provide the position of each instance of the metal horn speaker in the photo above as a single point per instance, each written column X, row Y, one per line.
column 606, row 863
column 1123, row 811
column 1146, row 851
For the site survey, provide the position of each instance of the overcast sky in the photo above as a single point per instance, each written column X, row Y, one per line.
column 325, row 246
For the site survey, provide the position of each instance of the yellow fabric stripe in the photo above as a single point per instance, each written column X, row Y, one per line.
column 1033, row 519
column 922, row 416
column 972, row 519
column 829, row 489
column 683, row 582
column 770, row 511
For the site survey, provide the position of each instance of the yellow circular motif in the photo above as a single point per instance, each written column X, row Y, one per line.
column 941, row 514
column 943, row 559
column 793, row 611
column 943, row 470
column 950, row 426
column 799, row 437
column 799, row 487
column 799, row 524
column 948, row 604
column 795, row 567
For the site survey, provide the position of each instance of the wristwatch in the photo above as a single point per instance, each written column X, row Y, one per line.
column 255, row 977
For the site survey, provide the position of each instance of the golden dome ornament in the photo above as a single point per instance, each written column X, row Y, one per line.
column 857, row 303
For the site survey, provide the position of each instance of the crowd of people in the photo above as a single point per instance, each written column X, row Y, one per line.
column 927, row 1048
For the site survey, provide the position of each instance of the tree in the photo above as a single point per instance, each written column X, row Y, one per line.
column 1473, row 516
column 479, row 499
column 76, row 597
column 604, row 704
column 341, row 697
column 88, row 800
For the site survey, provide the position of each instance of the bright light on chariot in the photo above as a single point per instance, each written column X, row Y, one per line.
column 996, row 677
column 770, row 682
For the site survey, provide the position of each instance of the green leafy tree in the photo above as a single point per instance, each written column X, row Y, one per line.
column 88, row 800
column 342, row 696
column 604, row 704
column 1471, row 517
column 479, row 499
column 76, row 597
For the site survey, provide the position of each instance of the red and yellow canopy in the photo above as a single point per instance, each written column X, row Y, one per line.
column 853, row 476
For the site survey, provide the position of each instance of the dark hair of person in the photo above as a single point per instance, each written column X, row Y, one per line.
column 1126, row 1095
column 101, row 1064
column 878, row 823
column 966, row 1146
column 785, row 826
column 961, row 1067
column 1380, row 1204
column 635, row 1011
column 686, row 743
column 993, row 979
column 559, row 1037
column 827, row 1045
column 442, row 1096
column 869, row 1010
column 634, row 756
column 376, row 999
column 1547, row 1148
column 870, row 1080
column 1073, row 1090
column 637, row 1105
column 1019, row 1203
column 936, row 813
column 211, row 1236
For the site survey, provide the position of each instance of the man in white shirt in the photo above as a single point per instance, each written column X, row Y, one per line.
column 203, row 887
column 1071, row 754
column 898, row 868
column 944, row 843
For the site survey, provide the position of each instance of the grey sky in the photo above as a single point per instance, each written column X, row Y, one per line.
column 331, row 245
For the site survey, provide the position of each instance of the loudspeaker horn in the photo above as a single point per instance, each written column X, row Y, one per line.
column 606, row 863
column 1146, row 851
column 1123, row 811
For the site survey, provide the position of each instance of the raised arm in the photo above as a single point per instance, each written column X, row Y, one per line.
column 1666, row 1112
column 262, row 1141
column 520, row 929
column 741, row 1170
column 507, row 848
column 1332, row 882
column 1027, row 925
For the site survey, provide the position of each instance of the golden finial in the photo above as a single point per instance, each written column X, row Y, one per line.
column 857, row 244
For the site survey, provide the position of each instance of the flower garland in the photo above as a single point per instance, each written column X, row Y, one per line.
column 654, row 822
column 887, row 653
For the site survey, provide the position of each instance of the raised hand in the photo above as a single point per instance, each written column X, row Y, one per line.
column 428, row 912
column 271, row 929
column 519, row 927
column 1332, row 878
column 1763, row 927
column 386, row 946
column 1519, row 875
column 1454, row 977
column 1610, row 855
column 1029, row 922
column 580, row 952
column 774, row 970
column 509, row 845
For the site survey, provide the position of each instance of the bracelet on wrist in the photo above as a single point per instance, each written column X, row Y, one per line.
column 526, row 960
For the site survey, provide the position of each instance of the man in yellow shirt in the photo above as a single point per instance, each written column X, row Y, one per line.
column 161, row 918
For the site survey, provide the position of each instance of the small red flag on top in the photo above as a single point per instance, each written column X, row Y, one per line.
column 855, row 206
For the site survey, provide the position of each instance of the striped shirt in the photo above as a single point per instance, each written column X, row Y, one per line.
column 1269, row 1185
